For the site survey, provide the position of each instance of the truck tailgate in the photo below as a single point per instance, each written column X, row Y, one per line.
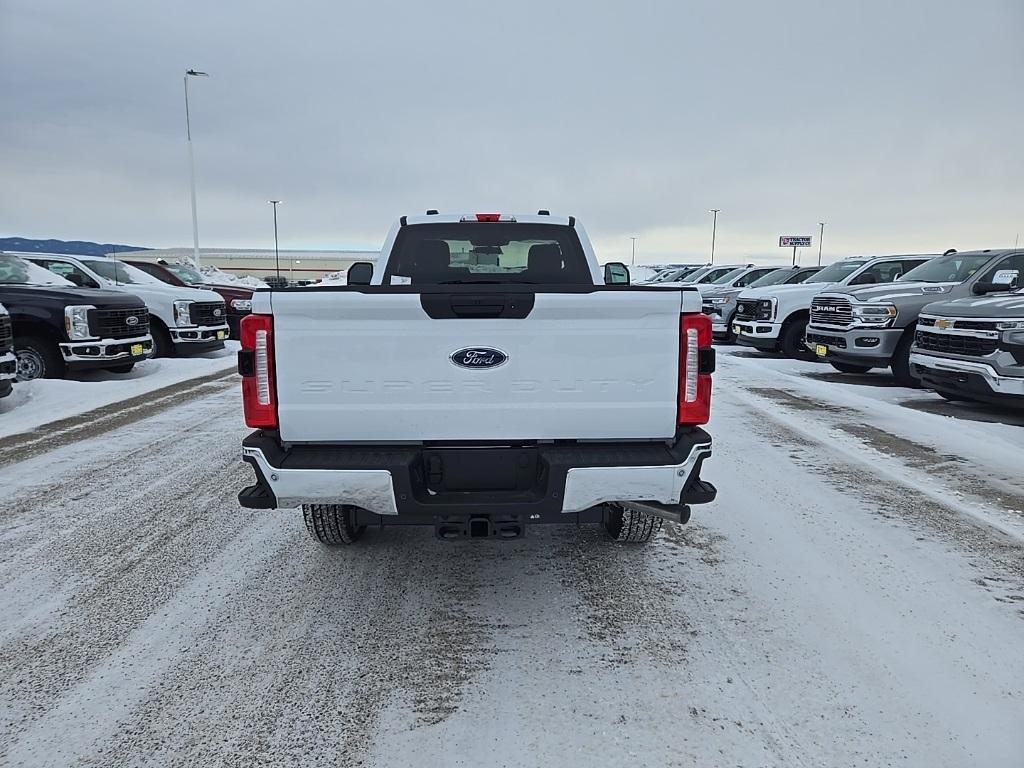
column 374, row 366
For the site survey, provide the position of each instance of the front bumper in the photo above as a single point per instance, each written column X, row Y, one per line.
column 760, row 334
column 542, row 482
column 201, row 334
column 967, row 377
column 874, row 347
column 99, row 353
column 8, row 367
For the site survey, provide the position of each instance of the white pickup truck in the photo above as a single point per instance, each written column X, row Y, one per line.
column 484, row 377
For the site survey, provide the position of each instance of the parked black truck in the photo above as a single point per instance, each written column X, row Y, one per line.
column 7, row 366
column 60, row 328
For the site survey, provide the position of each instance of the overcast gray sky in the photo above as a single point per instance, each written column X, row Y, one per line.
column 898, row 123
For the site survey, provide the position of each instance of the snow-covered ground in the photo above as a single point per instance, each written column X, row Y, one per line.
column 34, row 403
column 855, row 596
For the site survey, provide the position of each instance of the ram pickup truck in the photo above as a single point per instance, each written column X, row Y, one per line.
column 857, row 329
column 972, row 348
column 237, row 298
column 7, row 363
column 775, row 319
column 485, row 378
column 184, row 321
column 59, row 327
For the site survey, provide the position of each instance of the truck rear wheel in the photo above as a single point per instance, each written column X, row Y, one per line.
column 792, row 341
column 630, row 525
column 332, row 523
column 901, row 362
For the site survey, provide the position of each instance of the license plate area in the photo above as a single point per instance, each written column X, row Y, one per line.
column 455, row 470
column 820, row 350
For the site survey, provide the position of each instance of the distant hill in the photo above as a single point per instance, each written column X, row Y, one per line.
column 78, row 247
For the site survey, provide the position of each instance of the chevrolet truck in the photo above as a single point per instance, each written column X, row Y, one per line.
column 775, row 319
column 58, row 327
column 972, row 348
column 485, row 376
column 860, row 328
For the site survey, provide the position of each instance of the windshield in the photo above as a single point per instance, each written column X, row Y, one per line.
column 116, row 272
column 477, row 252
column 14, row 271
column 185, row 273
column 777, row 277
column 954, row 268
column 728, row 277
column 836, row 273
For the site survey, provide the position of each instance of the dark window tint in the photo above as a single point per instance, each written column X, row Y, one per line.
column 438, row 254
column 882, row 272
column 802, row 276
column 752, row 275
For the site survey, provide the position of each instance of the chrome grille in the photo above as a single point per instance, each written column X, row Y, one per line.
column 826, row 310
column 956, row 344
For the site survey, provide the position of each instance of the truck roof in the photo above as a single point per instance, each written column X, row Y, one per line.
column 455, row 218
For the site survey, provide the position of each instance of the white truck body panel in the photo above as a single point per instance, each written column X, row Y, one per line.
column 375, row 367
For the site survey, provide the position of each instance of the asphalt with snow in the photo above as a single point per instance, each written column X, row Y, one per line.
column 854, row 596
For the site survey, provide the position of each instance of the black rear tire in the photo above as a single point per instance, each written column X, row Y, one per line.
column 851, row 368
column 38, row 358
column 332, row 524
column 901, row 362
column 792, row 341
column 629, row 525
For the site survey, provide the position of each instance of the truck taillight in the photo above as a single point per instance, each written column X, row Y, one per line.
column 696, row 364
column 256, row 364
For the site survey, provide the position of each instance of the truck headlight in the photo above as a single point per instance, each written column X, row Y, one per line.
column 242, row 305
column 1010, row 325
column 720, row 300
column 182, row 315
column 766, row 309
column 1017, row 337
column 76, row 321
column 874, row 315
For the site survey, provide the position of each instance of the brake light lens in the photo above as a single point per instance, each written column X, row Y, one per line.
column 259, row 395
column 694, row 383
column 488, row 217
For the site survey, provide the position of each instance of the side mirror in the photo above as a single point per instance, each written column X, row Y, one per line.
column 982, row 287
column 360, row 273
column 73, row 277
column 616, row 273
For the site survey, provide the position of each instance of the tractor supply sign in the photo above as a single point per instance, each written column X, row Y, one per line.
column 795, row 241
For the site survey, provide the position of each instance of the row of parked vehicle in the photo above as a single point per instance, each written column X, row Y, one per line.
column 952, row 322
column 62, row 313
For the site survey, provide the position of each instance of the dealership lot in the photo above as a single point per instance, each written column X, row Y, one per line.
column 856, row 593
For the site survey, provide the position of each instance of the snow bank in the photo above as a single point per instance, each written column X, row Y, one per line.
column 219, row 277
column 34, row 403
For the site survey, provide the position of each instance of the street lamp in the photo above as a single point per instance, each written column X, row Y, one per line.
column 192, row 165
column 821, row 236
column 277, row 257
column 632, row 259
column 714, row 228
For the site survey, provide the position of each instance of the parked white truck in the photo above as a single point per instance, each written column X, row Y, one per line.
column 485, row 378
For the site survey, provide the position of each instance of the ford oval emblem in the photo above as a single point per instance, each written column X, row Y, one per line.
column 479, row 357
column 131, row 320
column 218, row 312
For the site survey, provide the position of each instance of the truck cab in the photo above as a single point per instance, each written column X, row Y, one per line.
column 57, row 327
column 183, row 320
column 863, row 327
column 468, row 384
column 775, row 319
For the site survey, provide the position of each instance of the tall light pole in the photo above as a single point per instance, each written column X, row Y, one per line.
column 821, row 236
column 714, row 229
column 632, row 259
column 277, row 256
column 192, row 165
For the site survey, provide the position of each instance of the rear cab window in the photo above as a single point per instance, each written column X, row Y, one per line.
column 487, row 252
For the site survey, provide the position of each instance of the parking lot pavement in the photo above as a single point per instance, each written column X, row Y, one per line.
column 855, row 595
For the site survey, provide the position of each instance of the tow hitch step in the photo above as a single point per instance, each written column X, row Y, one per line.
column 480, row 527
